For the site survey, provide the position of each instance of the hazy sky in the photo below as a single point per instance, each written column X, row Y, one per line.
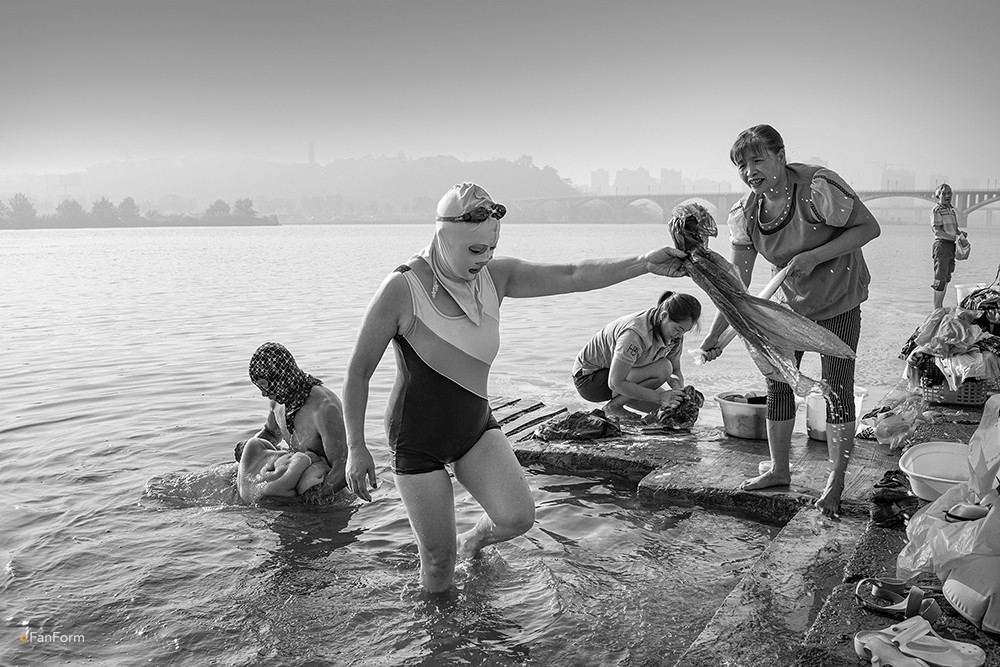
column 578, row 85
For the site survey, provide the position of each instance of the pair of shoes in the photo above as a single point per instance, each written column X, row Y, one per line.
column 906, row 606
column 893, row 487
column 913, row 643
column 890, row 495
column 888, row 515
column 893, row 479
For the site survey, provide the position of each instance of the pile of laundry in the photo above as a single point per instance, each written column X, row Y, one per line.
column 950, row 347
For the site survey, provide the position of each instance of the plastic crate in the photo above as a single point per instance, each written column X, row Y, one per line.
column 970, row 392
column 930, row 374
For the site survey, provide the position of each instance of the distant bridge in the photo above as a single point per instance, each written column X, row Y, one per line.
column 582, row 207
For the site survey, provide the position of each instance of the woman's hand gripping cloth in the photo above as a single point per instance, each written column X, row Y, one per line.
column 678, row 418
column 771, row 332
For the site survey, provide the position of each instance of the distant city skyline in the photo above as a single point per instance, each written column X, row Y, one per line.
column 579, row 85
column 671, row 181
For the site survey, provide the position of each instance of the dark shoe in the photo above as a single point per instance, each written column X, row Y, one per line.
column 893, row 479
column 890, row 495
column 888, row 515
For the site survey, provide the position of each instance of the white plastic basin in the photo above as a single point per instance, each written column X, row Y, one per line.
column 962, row 291
column 934, row 466
column 742, row 419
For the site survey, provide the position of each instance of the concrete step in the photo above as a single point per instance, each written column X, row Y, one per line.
column 766, row 618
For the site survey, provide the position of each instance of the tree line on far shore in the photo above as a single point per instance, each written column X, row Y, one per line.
column 19, row 213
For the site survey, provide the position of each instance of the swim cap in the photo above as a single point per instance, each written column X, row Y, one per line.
column 466, row 216
column 463, row 198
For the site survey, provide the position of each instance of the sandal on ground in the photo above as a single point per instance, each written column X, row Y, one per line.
column 883, row 653
column 904, row 606
column 916, row 638
column 966, row 512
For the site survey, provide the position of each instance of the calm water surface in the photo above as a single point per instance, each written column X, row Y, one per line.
column 123, row 388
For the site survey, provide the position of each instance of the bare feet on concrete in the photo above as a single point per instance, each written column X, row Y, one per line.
column 766, row 480
column 829, row 500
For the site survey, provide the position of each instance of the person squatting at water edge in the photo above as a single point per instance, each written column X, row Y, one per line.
column 628, row 361
column 946, row 226
column 303, row 413
column 807, row 218
column 441, row 310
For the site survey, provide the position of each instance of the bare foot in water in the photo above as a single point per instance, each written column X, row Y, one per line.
column 767, row 480
column 829, row 500
column 464, row 547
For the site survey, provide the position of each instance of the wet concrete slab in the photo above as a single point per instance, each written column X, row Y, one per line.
column 796, row 606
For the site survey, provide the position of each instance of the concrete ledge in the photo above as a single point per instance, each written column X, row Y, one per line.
column 764, row 619
column 796, row 606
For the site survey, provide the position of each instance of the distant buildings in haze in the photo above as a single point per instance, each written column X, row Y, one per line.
column 671, row 181
column 640, row 181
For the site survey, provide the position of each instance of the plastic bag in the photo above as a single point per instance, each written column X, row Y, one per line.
column 896, row 426
column 936, row 545
column 984, row 450
column 962, row 247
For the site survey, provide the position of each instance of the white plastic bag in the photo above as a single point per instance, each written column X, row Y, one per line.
column 962, row 247
column 935, row 545
column 984, row 449
column 896, row 426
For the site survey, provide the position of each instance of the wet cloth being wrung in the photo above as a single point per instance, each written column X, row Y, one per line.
column 678, row 418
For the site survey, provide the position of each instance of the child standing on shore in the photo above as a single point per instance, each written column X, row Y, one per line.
column 946, row 227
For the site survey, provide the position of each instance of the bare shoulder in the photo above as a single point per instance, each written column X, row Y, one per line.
column 394, row 292
column 326, row 401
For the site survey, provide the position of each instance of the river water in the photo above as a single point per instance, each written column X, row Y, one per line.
column 123, row 386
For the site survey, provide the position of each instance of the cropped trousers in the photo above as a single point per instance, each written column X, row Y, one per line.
column 837, row 372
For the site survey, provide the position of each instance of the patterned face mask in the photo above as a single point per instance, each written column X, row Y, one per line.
column 274, row 371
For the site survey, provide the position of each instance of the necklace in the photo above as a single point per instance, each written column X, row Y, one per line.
column 781, row 215
column 434, row 288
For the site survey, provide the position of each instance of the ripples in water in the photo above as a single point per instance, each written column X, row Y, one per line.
column 124, row 372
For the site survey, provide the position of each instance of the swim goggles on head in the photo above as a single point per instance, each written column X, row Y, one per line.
column 477, row 214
